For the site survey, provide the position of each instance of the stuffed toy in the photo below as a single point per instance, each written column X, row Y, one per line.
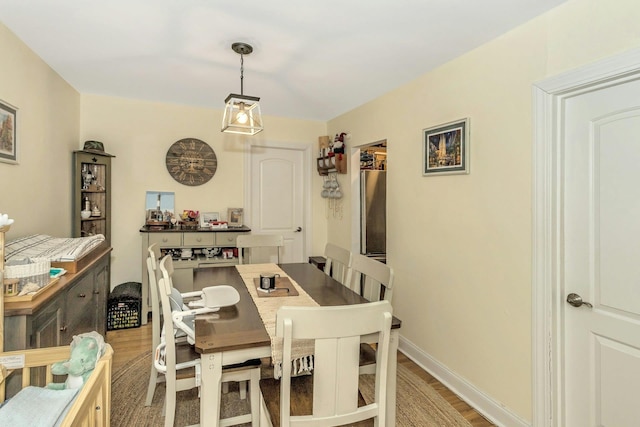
column 86, row 349
column 338, row 143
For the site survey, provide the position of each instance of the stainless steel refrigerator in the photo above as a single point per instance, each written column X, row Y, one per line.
column 373, row 212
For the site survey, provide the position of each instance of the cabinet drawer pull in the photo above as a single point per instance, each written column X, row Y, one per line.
column 165, row 240
column 96, row 292
column 63, row 329
column 82, row 295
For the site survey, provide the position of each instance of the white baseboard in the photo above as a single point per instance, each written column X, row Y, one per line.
column 491, row 409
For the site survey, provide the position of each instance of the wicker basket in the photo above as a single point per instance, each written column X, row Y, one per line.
column 31, row 270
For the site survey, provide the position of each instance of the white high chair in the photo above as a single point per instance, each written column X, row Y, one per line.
column 178, row 317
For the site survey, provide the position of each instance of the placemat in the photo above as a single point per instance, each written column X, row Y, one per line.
column 284, row 288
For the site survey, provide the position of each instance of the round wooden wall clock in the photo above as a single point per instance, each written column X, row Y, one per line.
column 191, row 161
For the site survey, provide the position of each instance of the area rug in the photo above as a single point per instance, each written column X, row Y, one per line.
column 418, row 404
column 129, row 391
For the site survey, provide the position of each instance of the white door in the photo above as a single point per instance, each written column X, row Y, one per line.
column 276, row 196
column 601, row 257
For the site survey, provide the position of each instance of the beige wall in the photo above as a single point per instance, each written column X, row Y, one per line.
column 461, row 245
column 139, row 134
column 36, row 192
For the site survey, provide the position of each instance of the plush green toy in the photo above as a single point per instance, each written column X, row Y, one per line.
column 86, row 349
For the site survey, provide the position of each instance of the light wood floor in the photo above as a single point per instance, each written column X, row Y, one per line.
column 130, row 343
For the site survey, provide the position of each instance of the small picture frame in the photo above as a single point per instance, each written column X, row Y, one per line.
column 445, row 149
column 8, row 133
column 235, row 217
column 206, row 218
column 159, row 206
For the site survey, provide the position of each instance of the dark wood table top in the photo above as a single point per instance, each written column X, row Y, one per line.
column 240, row 326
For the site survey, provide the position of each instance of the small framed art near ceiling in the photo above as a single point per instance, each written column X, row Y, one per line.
column 445, row 149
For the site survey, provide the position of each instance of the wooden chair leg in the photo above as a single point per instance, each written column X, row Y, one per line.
column 153, row 382
column 170, row 403
column 255, row 397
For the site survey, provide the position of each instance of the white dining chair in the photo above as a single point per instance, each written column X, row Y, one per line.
column 374, row 281
column 166, row 354
column 263, row 243
column 337, row 333
column 154, row 274
column 370, row 278
column 153, row 258
column 338, row 262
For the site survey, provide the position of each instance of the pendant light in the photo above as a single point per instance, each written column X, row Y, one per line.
column 242, row 112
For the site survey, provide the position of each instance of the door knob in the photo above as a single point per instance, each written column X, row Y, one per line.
column 299, row 229
column 576, row 301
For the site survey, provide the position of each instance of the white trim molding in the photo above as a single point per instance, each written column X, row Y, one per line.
column 491, row 409
column 547, row 291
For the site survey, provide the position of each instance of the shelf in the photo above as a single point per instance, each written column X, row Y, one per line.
column 336, row 163
column 92, row 186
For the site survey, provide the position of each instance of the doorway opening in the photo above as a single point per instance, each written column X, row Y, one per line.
column 373, row 200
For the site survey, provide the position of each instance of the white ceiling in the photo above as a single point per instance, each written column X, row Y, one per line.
column 311, row 60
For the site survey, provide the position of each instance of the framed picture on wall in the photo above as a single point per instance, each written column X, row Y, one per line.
column 235, row 217
column 159, row 205
column 8, row 132
column 206, row 218
column 445, row 149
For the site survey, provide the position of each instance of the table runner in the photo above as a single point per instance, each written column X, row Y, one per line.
column 301, row 350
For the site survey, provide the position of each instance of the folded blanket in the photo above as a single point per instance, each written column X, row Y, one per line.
column 52, row 248
column 37, row 407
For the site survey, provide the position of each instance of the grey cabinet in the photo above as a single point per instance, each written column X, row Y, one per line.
column 78, row 306
column 47, row 324
column 102, row 284
column 82, row 310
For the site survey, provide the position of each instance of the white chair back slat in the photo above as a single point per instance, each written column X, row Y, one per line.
column 371, row 278
column 260, row 247
column 338, row 262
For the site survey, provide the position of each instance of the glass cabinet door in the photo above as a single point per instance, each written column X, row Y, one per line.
column 92, row 195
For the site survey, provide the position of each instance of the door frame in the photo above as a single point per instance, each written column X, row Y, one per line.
column 356, row 202
column 307, row 160
column 549, row 96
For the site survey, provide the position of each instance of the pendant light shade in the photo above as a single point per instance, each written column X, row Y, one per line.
column 242, row 112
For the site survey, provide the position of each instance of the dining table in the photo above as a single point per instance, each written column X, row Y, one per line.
column 237, row 333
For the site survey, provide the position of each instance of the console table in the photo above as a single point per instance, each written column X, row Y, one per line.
column 204, row 245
